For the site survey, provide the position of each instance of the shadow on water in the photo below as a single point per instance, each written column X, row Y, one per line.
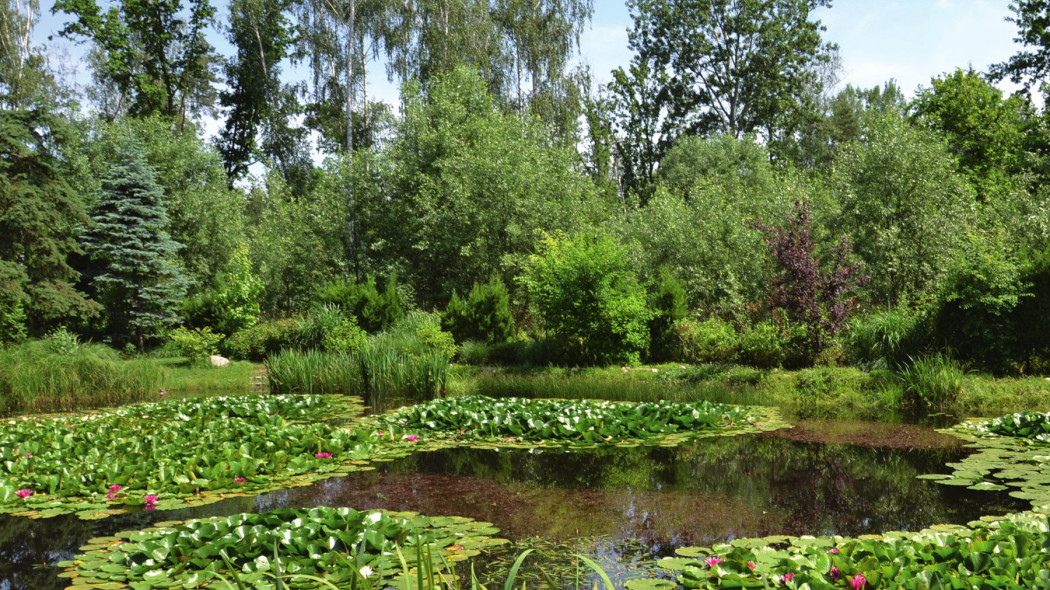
column 635, row 501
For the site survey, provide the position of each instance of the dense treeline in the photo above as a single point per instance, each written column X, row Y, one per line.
column 685, row 211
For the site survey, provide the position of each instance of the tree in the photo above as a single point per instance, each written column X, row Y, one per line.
column 644, row 132
column 257, row 101
column 39, row 216
column 158, row 61
column 24, row 75
column 1032, row 18
column 137, row 281
column 985, row 132
column 903, row 205
column 737, row 66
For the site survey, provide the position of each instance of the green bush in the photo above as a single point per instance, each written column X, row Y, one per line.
column 762, row 345
column 484, row 316
column 12, row 321
column 885, row 339
column 328, row 328
column 262, row 339
column 197, row 344
column 708, row 341
column 233, row 305
column 61, row 341
column 1030, row 320
column 977, row 301
column 589, row 299
column 669, row 305
column 931, row 383
column 374, row 311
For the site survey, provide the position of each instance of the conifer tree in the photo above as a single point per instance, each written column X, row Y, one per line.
column 135, row 278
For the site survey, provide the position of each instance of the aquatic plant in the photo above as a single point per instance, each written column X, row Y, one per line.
column 313, row 547
column 176, row 453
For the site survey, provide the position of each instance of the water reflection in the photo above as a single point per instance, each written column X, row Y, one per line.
column 707, row 491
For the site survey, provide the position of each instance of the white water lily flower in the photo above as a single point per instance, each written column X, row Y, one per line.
column 365, row 571
column 374, row 517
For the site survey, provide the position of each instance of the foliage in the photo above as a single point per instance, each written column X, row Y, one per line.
column 461, row 190
column 1031, row 324
column 737, row 67
column 668, row 303
column 903, row 206
column 62, row 341
column 262, row 339
column 977, row 300
column 314, row 371
column 234, row 303
column 39, row 217
column 996, row 552
column 152, row 54
column 1032, row 66
column 811, row 296
column 931, row 384
column 137, row 280
column 374, row 311
column 484, row 316
column 46, row 376
column 565, row 422
column 183, row 451
column 709, row 341
column 885, row 339
column 198, row 344
column 589, row 299
column 763, row 344
column 360, row 547
column 328, row 328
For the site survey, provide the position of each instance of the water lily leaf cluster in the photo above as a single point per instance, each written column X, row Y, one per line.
column 1013, row 452
column 180, row 453
column 338, row 545
column 990, row 553
column 532, row 422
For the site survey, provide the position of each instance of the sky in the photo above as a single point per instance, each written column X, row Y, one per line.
column 910, row 41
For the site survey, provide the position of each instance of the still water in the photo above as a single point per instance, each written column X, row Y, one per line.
column 620, row 505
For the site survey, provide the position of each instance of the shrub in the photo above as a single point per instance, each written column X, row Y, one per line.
column 885, row 339
column 1030, row 320
column 197, row 344
column 589, row 300
column 484, row 316
column 668, row 302
column 708, row 341
column 931, row 384
column 977, row 300
column 61, row 341
column 762, row 345
column 374, row 311
column 262, row 339
column 328, row 328
column 12, row 320
column 233, row 305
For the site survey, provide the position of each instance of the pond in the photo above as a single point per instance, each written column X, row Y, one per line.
column 621, row 505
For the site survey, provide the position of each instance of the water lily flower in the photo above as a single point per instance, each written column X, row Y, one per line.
column 857, row 582
column 150, row 500
column 751, row 565
column 380, row 433
column 238, row 480
column 365, row 571
column 29, row 455
column 323, row 455
column 115, row 488
column 111, row 495
column 833, row 550
column 412, row 438
column 834, row 573
column 713, row 561
column 789, row 576
column 24, row 493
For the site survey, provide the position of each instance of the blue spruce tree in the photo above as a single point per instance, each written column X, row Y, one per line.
column 135, row 278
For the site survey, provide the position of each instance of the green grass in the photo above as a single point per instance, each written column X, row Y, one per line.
column 38, row 377
column 183, row 379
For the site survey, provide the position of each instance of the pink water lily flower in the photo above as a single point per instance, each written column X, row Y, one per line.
column 834, row 573
column 150, row 500
column 323, row 455
column 751, row 565
column 25, row 493
column 833, row 550
column 111, row 495
column 713, row 561
column 238, row 480
column 115, row 488
column 412, row 438
column 29, row 455
column 789, row 576
column 857, row 582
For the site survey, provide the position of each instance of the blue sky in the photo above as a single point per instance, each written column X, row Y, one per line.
column 907, row 40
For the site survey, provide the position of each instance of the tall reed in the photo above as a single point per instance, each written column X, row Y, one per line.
column 39, row 377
